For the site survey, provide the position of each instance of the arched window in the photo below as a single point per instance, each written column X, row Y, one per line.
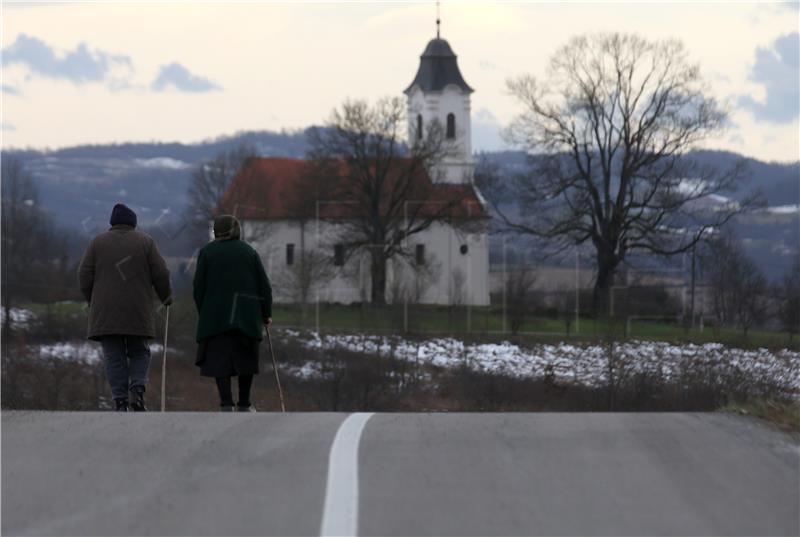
column 419, row 126
column 451, row 126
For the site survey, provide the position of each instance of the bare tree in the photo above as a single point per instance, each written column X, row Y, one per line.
column 301, row 279
column 737, row 286
column 718, row 261
column 399, row 288
column 458, row 282
column 382, row 187
column 209, row 182
column 789, row 309
column 611, row 126
column 424, row 275
column 752, row 304
column 34, row 257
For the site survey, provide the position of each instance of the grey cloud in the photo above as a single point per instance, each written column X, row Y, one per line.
column 778, row 70
column 179, row 77
column 79, row 66
column 11, row 90
column 7, row 127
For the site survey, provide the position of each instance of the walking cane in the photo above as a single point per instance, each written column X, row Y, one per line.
column 275, row 368
column 164, row 366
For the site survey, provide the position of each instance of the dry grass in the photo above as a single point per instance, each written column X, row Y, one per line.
column 353, row 381
column 782, row 414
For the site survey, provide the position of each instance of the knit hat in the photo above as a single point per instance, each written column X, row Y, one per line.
column 122, row 214
column 226, row 227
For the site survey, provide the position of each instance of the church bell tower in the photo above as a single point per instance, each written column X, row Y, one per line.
column 440, row 94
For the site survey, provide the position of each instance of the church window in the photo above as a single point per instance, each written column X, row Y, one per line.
column 338, row 255
column 290, row 254
column 451, row 126
column 420, row 254
column 419, row 126
column 464, row 249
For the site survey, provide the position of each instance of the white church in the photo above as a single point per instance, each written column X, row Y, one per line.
column 448, row 265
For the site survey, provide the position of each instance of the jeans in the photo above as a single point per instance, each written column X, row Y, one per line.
column 127, row 361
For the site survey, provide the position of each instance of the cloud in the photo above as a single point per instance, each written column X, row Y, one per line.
column 78, row 66
column 7, row 127
column 11, row 90
column 179, row 77
column 778, row 69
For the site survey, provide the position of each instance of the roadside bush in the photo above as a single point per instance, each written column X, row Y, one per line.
column 339, row 379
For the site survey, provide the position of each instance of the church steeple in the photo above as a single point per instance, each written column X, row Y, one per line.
column 440, row 94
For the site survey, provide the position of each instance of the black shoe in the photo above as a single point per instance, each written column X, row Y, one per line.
column 245, row 408
column 137, row 401
column 122, row 405
column 226, row 408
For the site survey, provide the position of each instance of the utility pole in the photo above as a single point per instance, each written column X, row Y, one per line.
column 694, row 264
column 577, row 290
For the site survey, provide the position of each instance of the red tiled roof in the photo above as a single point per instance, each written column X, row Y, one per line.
column 262, row 190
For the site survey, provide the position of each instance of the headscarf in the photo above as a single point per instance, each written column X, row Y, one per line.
column 226, row 227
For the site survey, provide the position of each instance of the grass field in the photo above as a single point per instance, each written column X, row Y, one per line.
column 485, row 321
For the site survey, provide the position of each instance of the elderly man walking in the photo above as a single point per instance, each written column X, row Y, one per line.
column 117, row 276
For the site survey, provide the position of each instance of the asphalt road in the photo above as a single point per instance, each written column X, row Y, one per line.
column 410, row 474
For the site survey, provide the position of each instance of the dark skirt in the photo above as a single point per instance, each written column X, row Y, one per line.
column 227, row 355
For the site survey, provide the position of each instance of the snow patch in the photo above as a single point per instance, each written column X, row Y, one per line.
column 784, row 209
column 20, row 318
column 163, row 162
column 583, row 364
column 85, row 351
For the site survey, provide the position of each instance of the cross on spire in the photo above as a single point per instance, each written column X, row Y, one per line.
column 438, row 19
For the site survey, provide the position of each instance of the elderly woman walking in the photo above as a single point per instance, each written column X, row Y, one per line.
column 234, row 299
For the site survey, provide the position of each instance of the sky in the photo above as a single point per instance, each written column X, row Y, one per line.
column 78, row 73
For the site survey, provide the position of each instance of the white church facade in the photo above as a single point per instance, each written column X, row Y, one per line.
column 448, row 264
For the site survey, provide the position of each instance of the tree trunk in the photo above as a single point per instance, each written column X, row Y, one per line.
column 378, row 274
column 606, row 269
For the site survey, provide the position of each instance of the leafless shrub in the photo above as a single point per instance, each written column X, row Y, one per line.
column 519, row 292
column 738, row 287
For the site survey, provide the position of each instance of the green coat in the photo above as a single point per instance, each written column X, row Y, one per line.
column 231, row 290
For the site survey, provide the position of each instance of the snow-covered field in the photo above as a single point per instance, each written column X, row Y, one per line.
column 567, row 362
column 584, row 364
column 83, row 351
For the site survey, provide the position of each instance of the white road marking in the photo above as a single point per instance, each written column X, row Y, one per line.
column 340, row 514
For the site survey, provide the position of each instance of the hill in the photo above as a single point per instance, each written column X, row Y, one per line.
column 78, row 185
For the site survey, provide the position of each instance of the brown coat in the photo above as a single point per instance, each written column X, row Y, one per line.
column 117, row 276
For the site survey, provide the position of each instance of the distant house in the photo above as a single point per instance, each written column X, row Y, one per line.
column 449, row 264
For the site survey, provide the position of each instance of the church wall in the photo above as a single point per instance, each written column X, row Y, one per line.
column 447, row 277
